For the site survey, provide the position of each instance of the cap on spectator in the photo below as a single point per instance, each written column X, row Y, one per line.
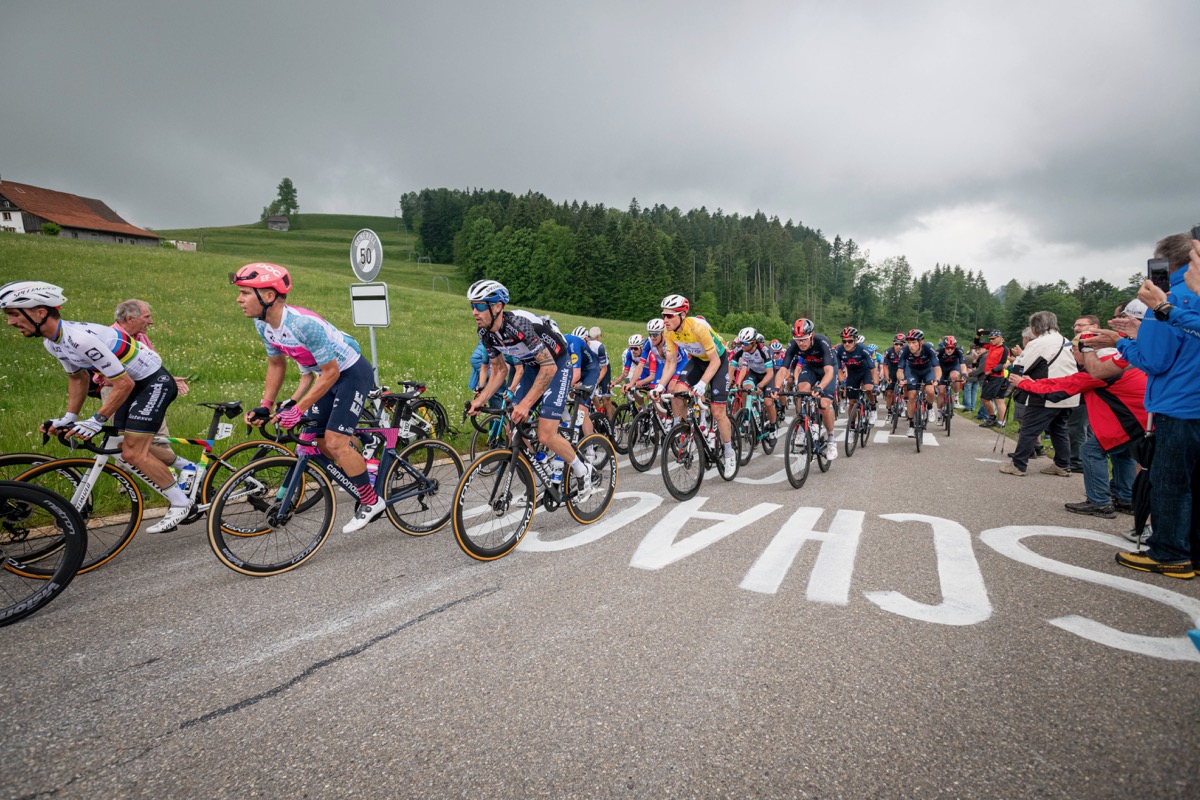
column 1136, row 309
column 994, row 334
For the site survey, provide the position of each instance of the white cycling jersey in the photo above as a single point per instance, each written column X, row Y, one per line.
column 99, row 348
column 309, row 340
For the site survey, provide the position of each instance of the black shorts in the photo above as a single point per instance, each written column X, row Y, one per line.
column 146, row 407
column 993, row 387
column 720, row 382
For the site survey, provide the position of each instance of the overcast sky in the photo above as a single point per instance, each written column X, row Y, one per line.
column 1034, row 140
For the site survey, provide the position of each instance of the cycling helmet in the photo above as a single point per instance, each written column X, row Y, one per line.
column 675, row 303
column 776, row 347
column 915, row 335
column 30, row 294
column 951, row 343
column 861, row 339
column 263, row 276
column 746, row 336
column 760, row 339
column 636, row 340
column 849, row 332
column 581, row 332
column 872, row 349
column 486, row 291
column 803, row 327
column 655, row 326
column 898, row 338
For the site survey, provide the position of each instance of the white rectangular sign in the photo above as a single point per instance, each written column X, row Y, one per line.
column 369, row 305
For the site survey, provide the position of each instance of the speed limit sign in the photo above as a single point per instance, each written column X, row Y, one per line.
column 366, row 255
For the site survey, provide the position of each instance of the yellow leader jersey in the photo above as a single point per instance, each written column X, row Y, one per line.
column 694, row 338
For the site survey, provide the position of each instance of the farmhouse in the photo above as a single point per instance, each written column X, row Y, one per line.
column 277, row 222
column 24, row 209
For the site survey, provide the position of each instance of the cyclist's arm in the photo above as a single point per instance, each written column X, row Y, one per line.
column 276, row 370
column 324, row 382
column 77, row 389
column 495, row 382
column 545, row 374
column 829, row 377
column 306, row 381
column 122, row 386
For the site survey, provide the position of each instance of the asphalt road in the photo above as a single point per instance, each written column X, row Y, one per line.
column 906, row 625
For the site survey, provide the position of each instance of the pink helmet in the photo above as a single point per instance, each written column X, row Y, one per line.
column 263, row 276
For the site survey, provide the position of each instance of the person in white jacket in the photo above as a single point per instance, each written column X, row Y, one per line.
column 1048, row 355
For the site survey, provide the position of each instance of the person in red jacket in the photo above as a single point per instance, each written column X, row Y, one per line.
column 1117, row 414
column 993, row 376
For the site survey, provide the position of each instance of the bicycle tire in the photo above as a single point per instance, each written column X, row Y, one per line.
column 643, row 441
column 919, row 424
column 949, row 416
column 422, row 514
column 622, row 419
column 797, row 456
column 233, row 459
column 13, row 464
column 822, row 458
column 683, row 462
column 743, row 430
column 864, row 430
column 241, row 533
column 895, row 416
column 768, row 440
column 112, row 511
column 486, row 441
column 852, row 431
column 40, row 525
column 432, row 413
column 604, row 476
column 476, row 498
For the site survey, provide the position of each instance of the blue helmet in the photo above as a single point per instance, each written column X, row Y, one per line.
column 872, row 349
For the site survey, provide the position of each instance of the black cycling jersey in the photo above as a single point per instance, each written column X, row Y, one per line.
column 856, row 360
column 950, row 360
column 892, row 359
column 818, row 354
column 921, row 360
column 523, row 335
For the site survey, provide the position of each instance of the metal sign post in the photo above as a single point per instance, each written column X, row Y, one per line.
column 369, row 301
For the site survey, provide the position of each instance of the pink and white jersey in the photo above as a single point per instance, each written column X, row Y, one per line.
column 308, row 339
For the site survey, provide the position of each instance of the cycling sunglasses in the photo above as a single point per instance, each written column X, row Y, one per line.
column 480, row 306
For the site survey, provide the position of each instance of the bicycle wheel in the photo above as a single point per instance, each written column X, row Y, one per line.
column 682, row 462
column 852, row 431
column 36, row 526
column 896, row 412
column 919, row 423
column 112, row 511
column 864, row 430
column 824, row 441
column 429, row 510
column 493, row 505
column 643, row 440
column 483, row 419
column 768, row 441
column 949, row 416
column 495, row 438
column 797, row 455
column 13, row 464
column 601, row 425
column 598, row 451
column 743, row 430
column 246, row 530
column 621, row 422
column 233, row 459
column 433, row 417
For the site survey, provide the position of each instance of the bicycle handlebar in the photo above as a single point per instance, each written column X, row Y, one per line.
column 86, row 444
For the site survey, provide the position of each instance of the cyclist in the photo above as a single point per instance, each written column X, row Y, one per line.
column 542, row 350
column 603, row 385
column 815, row 371
column 756, row 367
column 892, row 363
column 585, row 371
column 708, row 366
column 334, row 400
column 654, row 356
column 142, row 389
column 920, row 364
column 950, row 359
column 859, row 367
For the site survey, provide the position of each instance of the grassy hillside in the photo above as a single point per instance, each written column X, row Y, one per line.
column 202, row 333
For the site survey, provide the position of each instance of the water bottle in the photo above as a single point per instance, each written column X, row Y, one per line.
column 556, row 470
column 187, row 476
column 540, row 458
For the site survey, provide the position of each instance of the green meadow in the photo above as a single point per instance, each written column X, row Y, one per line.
column 202, row 334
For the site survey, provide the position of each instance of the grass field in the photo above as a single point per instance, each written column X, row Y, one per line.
column 201, row 332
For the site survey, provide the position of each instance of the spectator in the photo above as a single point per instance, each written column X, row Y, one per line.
column 993, row 377
column 479, row 368
column 1077, row 423
column 973, row 364
column 1170, row 356
column 1117, row 414
column 134, row 318
column 1044, row 358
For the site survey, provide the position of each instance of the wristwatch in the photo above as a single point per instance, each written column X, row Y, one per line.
column 1162, row 311
column 100, row 418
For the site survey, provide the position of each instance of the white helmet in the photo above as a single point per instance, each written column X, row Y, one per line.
column 861, row 339
column 655, row 326
column 676, row 303
column 637, row 340
column 30, row 294
column 746, row 336
column 581, row 332
column 486, row 291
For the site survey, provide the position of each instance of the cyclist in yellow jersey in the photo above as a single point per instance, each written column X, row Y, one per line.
column 708, row 366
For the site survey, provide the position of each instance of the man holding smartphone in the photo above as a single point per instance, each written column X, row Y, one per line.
column 1170, row 357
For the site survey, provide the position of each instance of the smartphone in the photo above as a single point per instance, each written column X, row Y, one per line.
column 1158, row 270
